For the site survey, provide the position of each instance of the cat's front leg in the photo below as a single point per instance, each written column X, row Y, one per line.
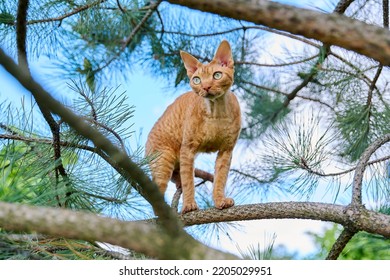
column 222, row 166
column 187, row 159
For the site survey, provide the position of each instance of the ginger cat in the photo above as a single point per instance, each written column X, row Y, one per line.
column 206, row 119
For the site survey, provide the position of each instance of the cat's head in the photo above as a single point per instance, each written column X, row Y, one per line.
column 214, row 79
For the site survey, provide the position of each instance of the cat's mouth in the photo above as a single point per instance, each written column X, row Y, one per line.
column 210, row 95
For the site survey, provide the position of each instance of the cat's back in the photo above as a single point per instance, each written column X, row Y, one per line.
column 168, row 130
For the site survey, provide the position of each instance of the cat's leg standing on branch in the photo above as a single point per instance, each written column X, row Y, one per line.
column 187, row 158
column 222, row 166
column 162, row 168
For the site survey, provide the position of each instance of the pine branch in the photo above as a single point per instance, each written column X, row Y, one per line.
column 131, row 170
column 262, row 87
column 66, row 144
column 204, row 175
column 21, row 36
column 72, row 13
column 380, row 67
column 331, row 29
column 113, row 132
column 361, row 166
column 322, row 56
column 340, row 244
column 250, row 176
column 21, row 32
column 244, row 28
column 342, row 6
column 276, row 64
column 120, row 6
column 334, row 174
column 129, row 39
column 373, row 86
column 386, row 13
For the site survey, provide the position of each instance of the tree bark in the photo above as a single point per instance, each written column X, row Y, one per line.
column 142, row 237
column 332, row 29
column 353, row 217
column 149, row 239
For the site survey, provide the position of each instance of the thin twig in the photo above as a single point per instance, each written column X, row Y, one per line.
column 45, row 141
column 72, row 13
column 129, row 39
column 266, row 88
column 162, row 23
column 308, row 169
column 340, row 243
column 373, row 86
column 113, row 132
column 361, row 166
column 244, row 28
column 285, row 94
column 385, row 5
column 175, row 199
column 250, row 176
column 342, row 6
column 21, row 33
column 322, row 56
column 90, row 103
column 120, row 6
column 276, row 64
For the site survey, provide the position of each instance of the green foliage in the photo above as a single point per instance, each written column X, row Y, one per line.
column 363, row 246
column 32, row 247
column 21, row 181
column 298, row 149
column 29, row 174
column 360, row 124
column 99, row 43
column 7, row 18
column 264, row 112
column 255, row 252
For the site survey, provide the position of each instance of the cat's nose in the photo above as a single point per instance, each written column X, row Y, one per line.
column 206, row 88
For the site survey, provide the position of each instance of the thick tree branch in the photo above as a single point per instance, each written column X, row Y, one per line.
column 331, row 29
column 148, row 239
column 138, row 236
column 361, row 219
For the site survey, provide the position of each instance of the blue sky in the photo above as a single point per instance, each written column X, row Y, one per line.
column 150, row 96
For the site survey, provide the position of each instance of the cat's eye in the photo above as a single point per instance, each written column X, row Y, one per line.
column 217, row 75
column 196, row 80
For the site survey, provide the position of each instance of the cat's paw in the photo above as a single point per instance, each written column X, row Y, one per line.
column 224, row 203
column 188, row 207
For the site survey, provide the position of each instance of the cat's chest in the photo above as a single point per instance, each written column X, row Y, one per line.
column 215, row 133
column 217, row 125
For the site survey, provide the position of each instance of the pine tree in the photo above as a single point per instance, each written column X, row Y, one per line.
column 316, row 115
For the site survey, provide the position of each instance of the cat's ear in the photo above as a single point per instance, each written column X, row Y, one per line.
column 190, row 63
column 223, row 55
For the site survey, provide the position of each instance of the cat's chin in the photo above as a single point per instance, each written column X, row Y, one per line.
column 210, row 96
